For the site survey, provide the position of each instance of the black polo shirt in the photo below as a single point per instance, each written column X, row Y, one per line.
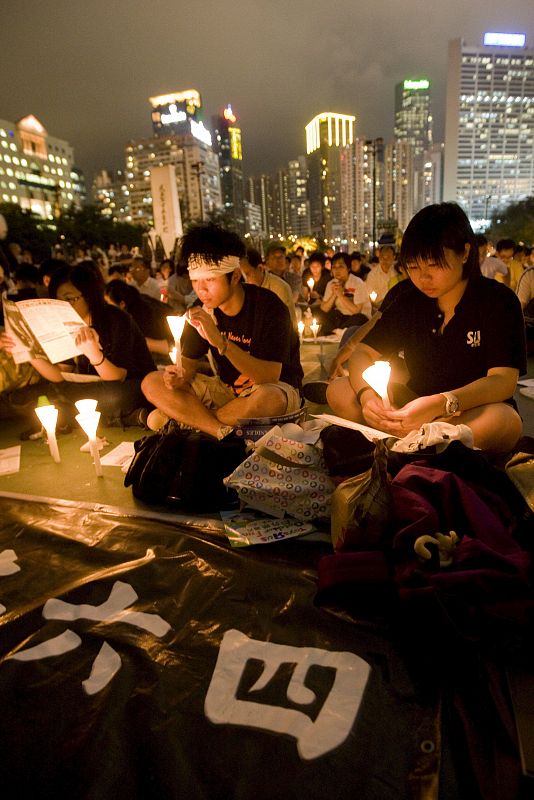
column 486, row 330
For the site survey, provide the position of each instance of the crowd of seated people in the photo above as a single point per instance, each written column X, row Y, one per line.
column 242, row 311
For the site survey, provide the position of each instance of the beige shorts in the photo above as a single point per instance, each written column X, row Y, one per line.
column 213, row 393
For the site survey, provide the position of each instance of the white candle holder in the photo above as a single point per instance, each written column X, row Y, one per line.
column 176, row 324
column 300, row 327
column 315, row 328
column 48, row 417
column 377, row 376
column 88, row 421
column 86, row 406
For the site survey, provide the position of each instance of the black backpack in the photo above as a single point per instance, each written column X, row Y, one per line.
column 185, row 469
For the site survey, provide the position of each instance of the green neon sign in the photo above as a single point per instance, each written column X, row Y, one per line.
column 424, row 84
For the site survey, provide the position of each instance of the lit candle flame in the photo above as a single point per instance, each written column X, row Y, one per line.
column 300, row 326
column 311, row 283
column 377, row 376
column 315, row 328
column 372, row 296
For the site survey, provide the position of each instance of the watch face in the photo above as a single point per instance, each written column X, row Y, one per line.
column 452, row 405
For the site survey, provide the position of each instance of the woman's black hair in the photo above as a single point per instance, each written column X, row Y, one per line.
column 89, row 282
column 436, row 227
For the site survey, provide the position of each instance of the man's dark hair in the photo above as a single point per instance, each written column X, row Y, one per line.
column 140, row 260
column 317, row 256
column 505, row 244
column 49, row 266
column 253, row 257
column 481, row 239
column 117, row 267
column 210, row 242
column 122, row 292
column 341, row 257
column 356, row 256
column 439, row 226
column 27, row 273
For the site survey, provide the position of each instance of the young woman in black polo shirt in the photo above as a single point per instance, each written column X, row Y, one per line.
column 461, row 335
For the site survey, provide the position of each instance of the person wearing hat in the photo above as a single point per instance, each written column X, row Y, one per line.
column 276, row 262
column 249, row 334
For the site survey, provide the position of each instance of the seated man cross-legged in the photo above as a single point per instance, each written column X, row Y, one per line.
column 461, row 336
column 249, row 334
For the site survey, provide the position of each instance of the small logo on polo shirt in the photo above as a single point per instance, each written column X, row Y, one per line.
column 473, row 338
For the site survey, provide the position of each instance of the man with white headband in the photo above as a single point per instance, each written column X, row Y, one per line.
column 249, row 334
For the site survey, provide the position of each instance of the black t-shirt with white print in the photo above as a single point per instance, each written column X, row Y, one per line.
column 262, row 327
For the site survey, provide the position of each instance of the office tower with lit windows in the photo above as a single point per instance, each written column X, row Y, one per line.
column 327, row 136
column 399, row 179
column 37, row 171
column 182, row 140
column 489, row 130
column 413, row 120
column 227, row 145
column 413, row 124
column 260, row 193
column 111, row 195
column 297, row 204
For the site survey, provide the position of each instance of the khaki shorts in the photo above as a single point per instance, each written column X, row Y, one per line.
column 213, row 393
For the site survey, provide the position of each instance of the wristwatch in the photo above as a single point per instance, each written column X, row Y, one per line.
column 452, row 404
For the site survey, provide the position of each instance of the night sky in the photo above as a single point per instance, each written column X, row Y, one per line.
column 85, row 68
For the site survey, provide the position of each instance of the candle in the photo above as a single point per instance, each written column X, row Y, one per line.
column 300, row 326
column 176, row 324
column 172, row 355
column 315, row 328
column 311, row 283
column 48, row 418
column 88, row 421
column 377, row 376
column 373, row 295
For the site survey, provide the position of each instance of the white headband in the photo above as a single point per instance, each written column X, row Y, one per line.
column 199, row 268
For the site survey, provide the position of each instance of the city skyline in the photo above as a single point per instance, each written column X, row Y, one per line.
column 87, row 74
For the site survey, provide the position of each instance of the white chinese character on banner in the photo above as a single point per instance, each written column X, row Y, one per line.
column 314, row 738
column 114, row 609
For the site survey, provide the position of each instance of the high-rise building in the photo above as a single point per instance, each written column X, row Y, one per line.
column 180, row 139
column 327, row 135
column 489, row 131
column 433, row 174
column 413, row 124
column 413, row 120
column 260, row 193
column 37, row 171
column 111, row 195
column 297, row 204
column 227, row 145
column 399, row 179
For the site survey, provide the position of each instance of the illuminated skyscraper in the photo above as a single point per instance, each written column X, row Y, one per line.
column 37, row 171
column 413, row 124
column 413, row 120
column 227, row 145
column 327, row 136
column 180, row 139
column 399, row 179
column 489, row 133
column 297, row 205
